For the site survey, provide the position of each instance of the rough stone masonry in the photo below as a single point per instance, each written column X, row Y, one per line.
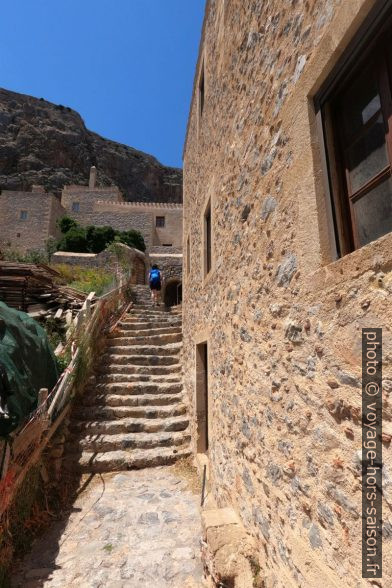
column 281, row 316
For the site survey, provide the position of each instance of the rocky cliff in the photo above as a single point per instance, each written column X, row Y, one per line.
column 48, row 144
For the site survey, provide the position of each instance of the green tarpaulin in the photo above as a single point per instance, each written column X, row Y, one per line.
column 28, row 360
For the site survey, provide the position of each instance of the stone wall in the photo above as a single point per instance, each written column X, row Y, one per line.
column 86, row 198
column 124, row 216
column 160, row 249
column 27, row 219
column 282, row 319
column 129, row 257
column 170, row 265
column 56, row 212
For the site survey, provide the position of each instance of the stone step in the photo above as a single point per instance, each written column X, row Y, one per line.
column 127, row 368
column 130, row 400
column 114, row 360
column 146, row 339
column 126, row 441
column 112, row 461
column 134, row 388
column 148, row 332
column 152, row 316
column 147, row 312
column 129, row 425
column 123, row 412
column 145, row 379
column 113, row 351
column 137, row 324
column 141, row 306
column 163, row 320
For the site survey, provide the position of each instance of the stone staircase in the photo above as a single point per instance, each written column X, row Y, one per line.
column 132, row 414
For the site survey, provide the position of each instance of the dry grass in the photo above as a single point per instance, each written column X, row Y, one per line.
column 185, row 469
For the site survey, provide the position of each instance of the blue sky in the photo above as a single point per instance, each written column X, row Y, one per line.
column 126, row 66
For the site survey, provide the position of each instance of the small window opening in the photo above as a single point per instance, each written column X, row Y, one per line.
column 201, row 91
column 188, row 256
column 207, row 239
column 160, row 221
column 202, row 397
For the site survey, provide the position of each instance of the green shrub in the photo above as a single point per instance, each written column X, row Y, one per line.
column 98, row 238
column 74, row 240
column 132, row 238
column 66, row 223
column 93, row 239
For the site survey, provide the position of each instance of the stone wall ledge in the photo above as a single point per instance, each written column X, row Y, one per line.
column 374, row 257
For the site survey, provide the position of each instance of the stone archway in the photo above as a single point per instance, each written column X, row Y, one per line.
column 172, row 294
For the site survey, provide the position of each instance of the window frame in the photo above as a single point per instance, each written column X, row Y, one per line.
column 359, row 55
column 160, row 222
column 23, row 215
column 75, row 207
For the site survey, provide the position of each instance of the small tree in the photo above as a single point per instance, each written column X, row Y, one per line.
column 132, row 238
column 74, row 240
column 98, row 238
column 66, row 223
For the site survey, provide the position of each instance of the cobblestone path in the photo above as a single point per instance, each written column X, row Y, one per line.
column 133, row 529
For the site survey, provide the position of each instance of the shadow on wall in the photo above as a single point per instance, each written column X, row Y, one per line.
column 172, row 294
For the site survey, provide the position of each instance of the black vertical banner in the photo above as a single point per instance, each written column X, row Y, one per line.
column 371, row 453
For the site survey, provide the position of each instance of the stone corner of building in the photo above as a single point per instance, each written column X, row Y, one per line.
column 230, row 554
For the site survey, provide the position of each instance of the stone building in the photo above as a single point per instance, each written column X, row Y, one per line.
column 159, row 223
column 287, row 257
column 28, row 225
column 28, row 220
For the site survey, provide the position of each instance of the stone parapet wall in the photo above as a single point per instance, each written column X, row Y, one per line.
column 147, row 205
column 282, row 319
column 129, row 257
column 158, row 249
column 80, row 259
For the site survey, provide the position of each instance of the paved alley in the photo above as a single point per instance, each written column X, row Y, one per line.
column 131, row 529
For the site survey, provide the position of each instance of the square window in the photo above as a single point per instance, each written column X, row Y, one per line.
column 160, row 221
column 356, row 113
column 18, row 235
column 23, row 215
column 75, row 207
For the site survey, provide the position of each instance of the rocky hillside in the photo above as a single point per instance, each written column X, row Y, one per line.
column 48, row 144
